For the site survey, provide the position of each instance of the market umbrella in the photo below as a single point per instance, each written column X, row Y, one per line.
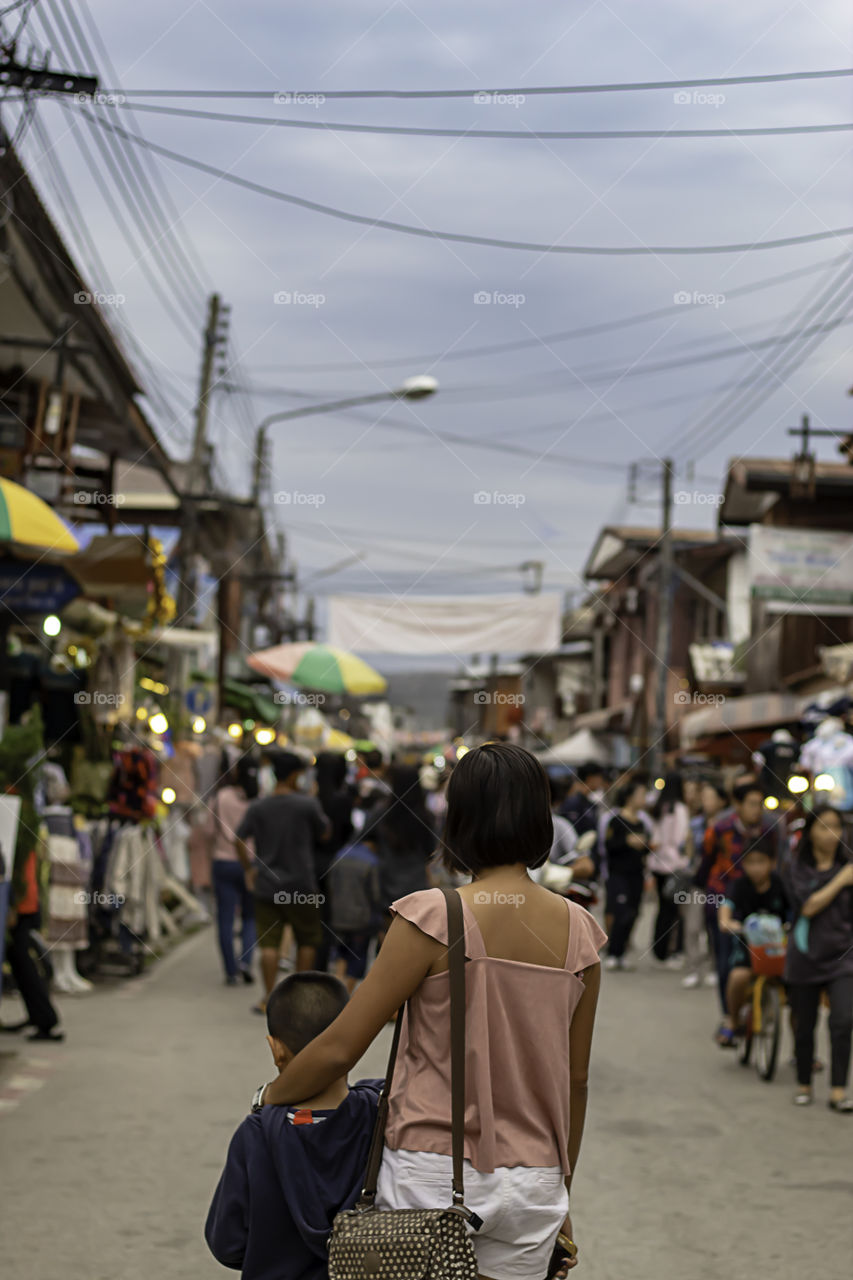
column 318, row 666
column 29, row 522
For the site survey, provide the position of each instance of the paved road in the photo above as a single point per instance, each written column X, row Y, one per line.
column 691, row 1169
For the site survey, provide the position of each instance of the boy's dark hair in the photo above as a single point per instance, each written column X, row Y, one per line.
column 285, row 764
column 302, row 1005
column 498, row 810
column 743, row 789
column 765, row 844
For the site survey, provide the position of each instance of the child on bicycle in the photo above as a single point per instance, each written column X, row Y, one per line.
column 758, row 892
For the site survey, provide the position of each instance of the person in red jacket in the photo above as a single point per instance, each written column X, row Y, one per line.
column 22, row 919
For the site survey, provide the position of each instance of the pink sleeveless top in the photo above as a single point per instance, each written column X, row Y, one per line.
column 517, row 1018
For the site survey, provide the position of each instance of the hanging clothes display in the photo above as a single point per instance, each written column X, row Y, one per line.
column 133, row 786
column 830, row 752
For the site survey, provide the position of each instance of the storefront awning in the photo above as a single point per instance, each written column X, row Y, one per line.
column 739, row 715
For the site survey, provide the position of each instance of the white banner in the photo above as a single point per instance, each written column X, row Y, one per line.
column 445, row 624
column 807, row 566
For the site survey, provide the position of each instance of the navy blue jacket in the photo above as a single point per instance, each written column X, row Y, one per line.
column 283, row 1183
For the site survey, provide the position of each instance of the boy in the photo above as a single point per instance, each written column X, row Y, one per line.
column 356, row 908
column 759, row 891
column 289, row 1170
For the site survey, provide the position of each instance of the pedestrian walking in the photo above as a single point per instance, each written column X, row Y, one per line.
column 626, row 843
column 357, row 913
column 402, row 827
column 23, row 920
column 669, row 859
column 698, row 943
column 819, row 880
column 285, row 828
column 724, row 846
column 336, row 801
column 531, row 992
column 226, row 812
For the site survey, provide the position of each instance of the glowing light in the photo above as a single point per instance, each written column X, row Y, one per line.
column 824, row 782
column 141, row 713
column 770, row 802
column 659, row 784
column 72, row 651
column 462, row 751
column 248, row 724
column 158, row 723
column 154, row 686
column 351, row 755
column 235, row 730
column 344, row 715
column 169, row 795
column 264, row 737
column 798, row 784
column 51, row 625
column 439, row 762
column 199, row 724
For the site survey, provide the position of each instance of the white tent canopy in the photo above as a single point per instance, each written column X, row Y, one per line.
column 460, row 625
column 577, row 749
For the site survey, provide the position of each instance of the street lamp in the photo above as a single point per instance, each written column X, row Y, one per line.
column 416, row 388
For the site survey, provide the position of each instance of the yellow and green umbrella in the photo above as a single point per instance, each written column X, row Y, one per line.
column 318, row 666
column 29, row 522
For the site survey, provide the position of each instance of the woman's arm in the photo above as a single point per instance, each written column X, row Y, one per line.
column 404, row 960
column 580, row 1044
column 820, row 900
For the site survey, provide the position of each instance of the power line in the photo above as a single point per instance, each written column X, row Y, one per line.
column 703, row 434
column 132, row 185
column 461, row 237
column 547, row 339
column 524, row 135
column 525, row 90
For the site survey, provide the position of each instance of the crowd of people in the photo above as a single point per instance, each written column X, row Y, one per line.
column 717, row 858
column 314, row 865
column 352, row 860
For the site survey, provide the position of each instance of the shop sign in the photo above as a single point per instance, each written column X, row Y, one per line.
column 35, row 588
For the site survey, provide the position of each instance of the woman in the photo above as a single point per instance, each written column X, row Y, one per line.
column 336, row 802
column 819, row 882
column 626, row 844
column 402, row 827
column 713, row 802
column 532, row 987
column 229, row 882
column 670, row 833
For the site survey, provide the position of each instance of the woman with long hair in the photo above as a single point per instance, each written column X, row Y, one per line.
column 403, row 829
column 532, row 981
column 819, row 882
column 227, row 808
column 670, row 855
column 336, row 802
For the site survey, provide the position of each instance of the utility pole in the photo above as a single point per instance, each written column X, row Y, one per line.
column 215, row 335
column 664, row 636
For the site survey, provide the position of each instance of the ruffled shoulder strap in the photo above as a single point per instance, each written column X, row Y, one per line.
column 428, row 910
column 586, row 938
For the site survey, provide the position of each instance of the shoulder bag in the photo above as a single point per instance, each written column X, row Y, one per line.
column 415, row 1244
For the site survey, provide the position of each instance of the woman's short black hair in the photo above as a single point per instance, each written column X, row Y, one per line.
column 498, row 810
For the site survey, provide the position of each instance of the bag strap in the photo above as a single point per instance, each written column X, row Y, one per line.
column 456, row 963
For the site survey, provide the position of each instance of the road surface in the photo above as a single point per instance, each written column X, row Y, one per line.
column 691, row 1168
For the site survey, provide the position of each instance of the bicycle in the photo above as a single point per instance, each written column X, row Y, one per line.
column 764, row 1011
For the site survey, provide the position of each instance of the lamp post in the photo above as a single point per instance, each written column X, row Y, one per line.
column 416, row 388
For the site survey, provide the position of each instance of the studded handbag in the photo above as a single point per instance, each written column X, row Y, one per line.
column 415, row 1244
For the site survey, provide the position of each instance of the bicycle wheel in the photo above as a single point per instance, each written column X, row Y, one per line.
column 767, row 1040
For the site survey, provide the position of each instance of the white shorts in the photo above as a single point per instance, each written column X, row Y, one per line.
column 522, row 1208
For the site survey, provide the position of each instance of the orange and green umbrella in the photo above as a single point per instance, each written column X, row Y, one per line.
column 318, row 666
column 29, row 522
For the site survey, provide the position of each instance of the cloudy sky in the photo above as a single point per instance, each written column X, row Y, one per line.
column 396, row 485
